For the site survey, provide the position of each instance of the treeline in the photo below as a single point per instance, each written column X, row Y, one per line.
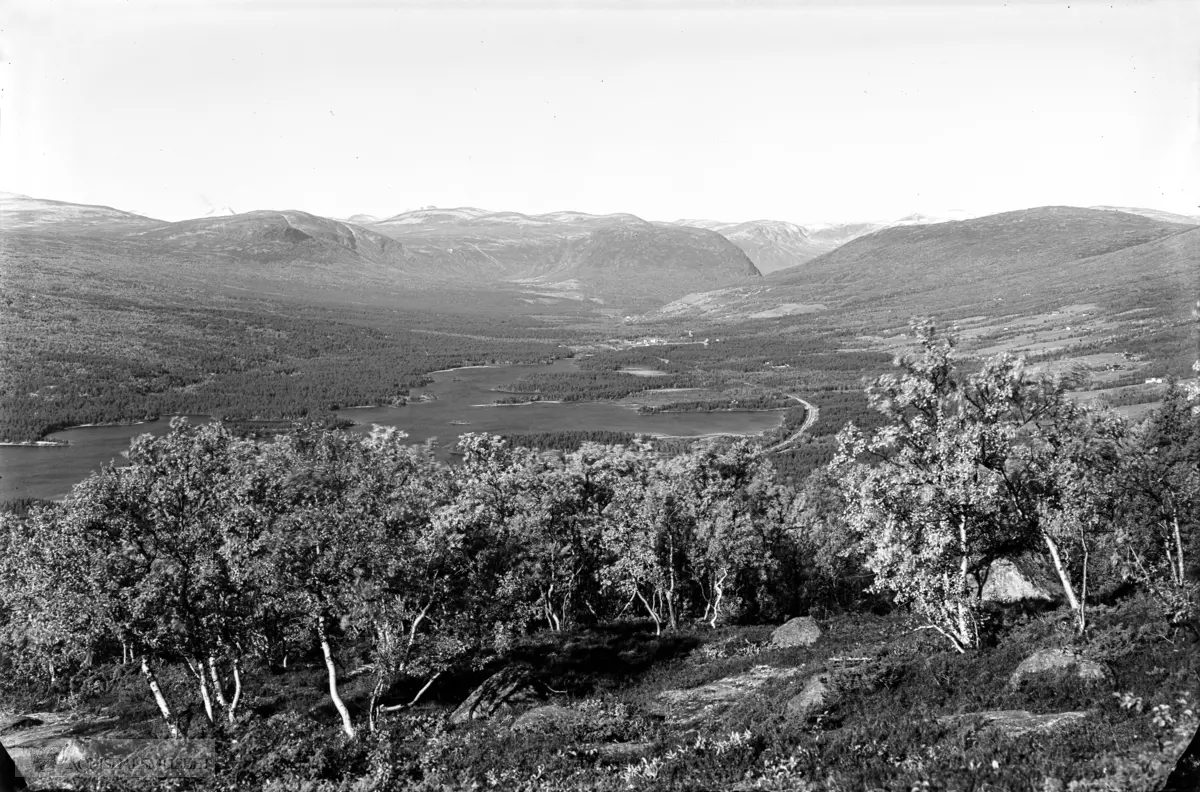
column 569, row 440
column 571, row 386
column 767, row 402
column 282, row 362
column 804, row 350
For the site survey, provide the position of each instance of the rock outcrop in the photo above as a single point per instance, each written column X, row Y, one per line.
column 1016, row 723
column 817, row 696
column 1046, row 660
column 694, row 705
column 800, row 631
column 1008, row 582
column 507, row 687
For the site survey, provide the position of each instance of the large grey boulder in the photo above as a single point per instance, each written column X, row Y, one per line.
column 800, row 631
column 1045, row 660
column 507, row 687
column 1009, row 581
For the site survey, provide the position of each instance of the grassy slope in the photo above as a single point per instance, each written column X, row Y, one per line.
column 881, row 733
column 1032, row 258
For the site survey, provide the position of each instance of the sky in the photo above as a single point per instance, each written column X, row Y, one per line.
column 723, row 109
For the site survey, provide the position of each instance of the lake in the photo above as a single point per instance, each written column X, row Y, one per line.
column 456, row 408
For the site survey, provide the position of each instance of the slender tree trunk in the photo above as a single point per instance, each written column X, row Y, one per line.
column 1178, row 552
column 237, row 689
column 718, row 595
column 651, row 611
column 205, row 697
column 416, row 698
column 670, row 597
column 218, row 688
column 376, row 692
column 965, row 632
column 159, row 699
column 347, row 725
column 1063, row 577
column 1083, row 592
column 196, row 665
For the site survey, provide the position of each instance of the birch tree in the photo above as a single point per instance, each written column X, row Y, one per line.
column 729, row 496
column 647, row 535
column 1159, row 504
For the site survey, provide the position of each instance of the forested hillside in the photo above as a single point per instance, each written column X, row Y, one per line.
column 232, row 578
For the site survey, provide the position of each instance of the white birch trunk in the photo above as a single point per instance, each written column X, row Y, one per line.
column 159, row 699
column 218, row 690
column 1179, row 576
column 237, row 689
column 1063, row 577
column 347, row 724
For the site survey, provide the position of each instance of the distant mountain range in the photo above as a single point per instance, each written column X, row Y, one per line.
column 612, row 263
column 617, row 263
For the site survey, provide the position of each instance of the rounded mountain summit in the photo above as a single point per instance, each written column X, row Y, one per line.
column 654, row 260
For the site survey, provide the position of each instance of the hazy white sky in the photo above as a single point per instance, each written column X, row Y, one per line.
column 799, row 111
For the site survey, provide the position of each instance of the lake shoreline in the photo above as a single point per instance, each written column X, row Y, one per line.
column 35, row 443
column 446, row 409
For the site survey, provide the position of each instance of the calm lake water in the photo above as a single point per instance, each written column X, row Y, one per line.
column 50, row 472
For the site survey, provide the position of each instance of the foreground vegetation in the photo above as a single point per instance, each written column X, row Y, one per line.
column 232, row 579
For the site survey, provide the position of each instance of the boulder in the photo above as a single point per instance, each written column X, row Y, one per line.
column 549, row 718
column 506, row 687
column 1016, row 723
column 1044, row 660
column 816, row 697
column 1009, row 581
column 800, row 631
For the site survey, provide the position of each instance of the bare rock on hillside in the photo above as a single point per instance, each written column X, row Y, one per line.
column 817, row 696
column 800, row 631
column 507, row 687
column 1008, row 582
column 1045, row 660
column 549, row 718
column 695, row 705
column 1016, row 723
column 822, row 690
